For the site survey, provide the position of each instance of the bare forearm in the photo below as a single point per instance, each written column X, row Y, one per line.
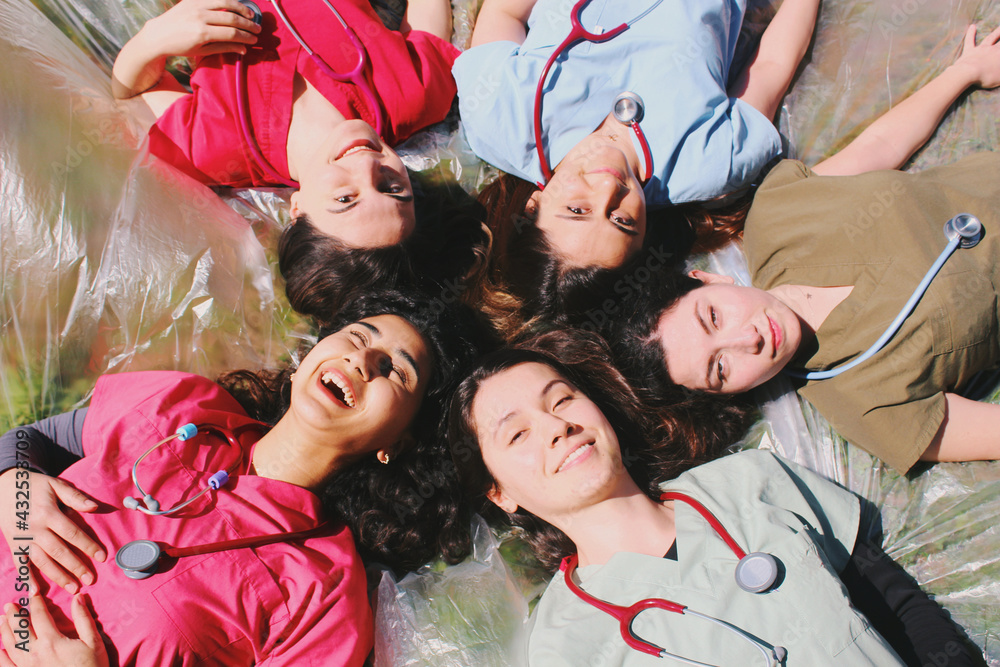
column 766, row 79
column 138, row 68
column 502, row 20
column 433, row 16
column 890, row 141
column 970, row 432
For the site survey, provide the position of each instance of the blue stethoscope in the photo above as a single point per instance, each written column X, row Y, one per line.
column 962, row 231
column 628, row 108
column 755, row 573
column 355, row 77
column 139, row 559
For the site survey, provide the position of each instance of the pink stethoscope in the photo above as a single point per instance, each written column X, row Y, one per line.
column 627, row 108
column 355, row 76
column 755, row 573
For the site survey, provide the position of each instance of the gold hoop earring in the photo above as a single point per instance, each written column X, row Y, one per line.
column 383, row 457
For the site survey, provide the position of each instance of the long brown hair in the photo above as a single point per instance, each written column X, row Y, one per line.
column 657, row 442
column 525, row 281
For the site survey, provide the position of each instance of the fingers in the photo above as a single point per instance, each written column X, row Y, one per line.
column 86, row 626
column 42, row 624
column 7, row 636
column 53, row 571
column 70, row 496
column 15, row 617
column 970, row 39
column 239, row 8
column 67, row 529
column 992, row 38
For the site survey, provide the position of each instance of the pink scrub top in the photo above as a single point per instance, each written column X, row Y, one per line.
column 298, row 604
column 410, row 74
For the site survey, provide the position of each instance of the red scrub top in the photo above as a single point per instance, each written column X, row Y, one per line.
column 409, row 73
column 297, row 604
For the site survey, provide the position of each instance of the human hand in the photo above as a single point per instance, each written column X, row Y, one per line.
column 44, row 644
column 200, row 28
column 981, row 61
column 36, row 497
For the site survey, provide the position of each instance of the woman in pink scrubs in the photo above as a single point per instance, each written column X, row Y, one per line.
column 343, row 449
column 311, row 129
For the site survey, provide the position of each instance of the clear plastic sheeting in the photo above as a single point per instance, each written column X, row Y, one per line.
column 473, row 613
column 113, row 261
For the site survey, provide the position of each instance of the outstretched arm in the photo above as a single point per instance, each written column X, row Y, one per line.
column 970, row 432
column 765, row 80
column 890, row 141
column 433, row 16
column 189, row 28
column 502, row 20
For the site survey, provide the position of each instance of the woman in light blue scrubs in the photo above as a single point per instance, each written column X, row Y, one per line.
column 707, row 138
column 566, row 451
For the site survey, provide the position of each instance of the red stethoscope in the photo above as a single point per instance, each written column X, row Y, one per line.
column 139, row 559
column 627, row 108
column 755, row 573
column 355, row 77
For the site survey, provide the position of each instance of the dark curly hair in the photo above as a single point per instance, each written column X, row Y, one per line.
column 322, row 273
column 408, row 512
column 526, row 281
column 657, row 444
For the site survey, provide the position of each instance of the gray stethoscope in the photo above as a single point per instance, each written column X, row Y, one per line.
column 139, row 559
column 965, row 231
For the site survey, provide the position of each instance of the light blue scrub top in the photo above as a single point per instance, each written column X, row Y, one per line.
column 767, row 504
column 676, row 57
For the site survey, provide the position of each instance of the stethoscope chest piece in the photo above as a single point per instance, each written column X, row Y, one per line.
column 628, row 108
column 257, row 15
column 756, row 572
column 138, row 558
column 966, row 227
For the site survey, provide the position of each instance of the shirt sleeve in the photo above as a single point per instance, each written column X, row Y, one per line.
column 496, row 108
column 48, row 446
column 916, row 627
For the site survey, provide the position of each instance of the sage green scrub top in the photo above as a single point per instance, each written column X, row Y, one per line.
column 767, row 504
column 880, row 232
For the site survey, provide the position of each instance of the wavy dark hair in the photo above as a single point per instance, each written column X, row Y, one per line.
column 322, row 273
column 657, row 443
column 408, row 512
column 526, row 281
column 637, row 350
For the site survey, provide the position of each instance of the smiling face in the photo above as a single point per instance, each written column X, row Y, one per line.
column 726, row 339
column 593, row 210
column 361, row 386
column 549, row 447
column 356, row 189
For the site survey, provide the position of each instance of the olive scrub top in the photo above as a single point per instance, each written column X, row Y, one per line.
column 880, row 232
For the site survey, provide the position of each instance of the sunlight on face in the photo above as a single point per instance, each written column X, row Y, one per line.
column 357, row 189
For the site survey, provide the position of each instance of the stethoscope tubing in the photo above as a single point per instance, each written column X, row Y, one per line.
column 626, row 615
column 355, row 76
column 955, row 239
column 577, row 33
